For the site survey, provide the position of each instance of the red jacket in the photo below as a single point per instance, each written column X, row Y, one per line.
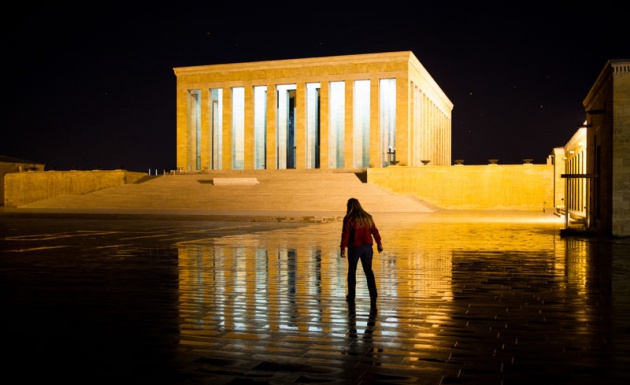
column 356, row 236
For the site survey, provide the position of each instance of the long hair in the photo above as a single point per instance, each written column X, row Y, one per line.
column 360, row 217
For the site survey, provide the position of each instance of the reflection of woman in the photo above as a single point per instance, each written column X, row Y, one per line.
column 356, row 235
column 370, row 326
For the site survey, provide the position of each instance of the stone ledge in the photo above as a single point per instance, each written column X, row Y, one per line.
column 235, row 181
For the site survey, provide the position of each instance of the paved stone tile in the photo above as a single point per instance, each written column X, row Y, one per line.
column 141, row 299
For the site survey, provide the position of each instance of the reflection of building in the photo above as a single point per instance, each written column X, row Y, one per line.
column 353, row 111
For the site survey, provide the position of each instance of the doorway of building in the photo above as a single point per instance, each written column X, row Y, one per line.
column 286, row 126
column 312, row 142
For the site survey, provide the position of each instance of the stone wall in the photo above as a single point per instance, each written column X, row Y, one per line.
column 527, row 187
column 25, row 187
column 621, row 150
column 9, row 165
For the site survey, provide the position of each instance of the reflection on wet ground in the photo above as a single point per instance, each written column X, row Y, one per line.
column 140, row 300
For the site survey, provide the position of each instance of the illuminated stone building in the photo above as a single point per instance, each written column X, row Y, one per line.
column 607, row 107
column 361, row 111
column 10, row 164
column 354, row 111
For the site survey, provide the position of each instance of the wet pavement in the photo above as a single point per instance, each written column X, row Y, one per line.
column 463, row 299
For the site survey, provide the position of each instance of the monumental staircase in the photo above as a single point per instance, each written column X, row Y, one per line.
column 238, row 191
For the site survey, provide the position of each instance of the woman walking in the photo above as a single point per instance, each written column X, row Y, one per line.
column 358, row 235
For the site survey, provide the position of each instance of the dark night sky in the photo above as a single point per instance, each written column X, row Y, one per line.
column 92, row 86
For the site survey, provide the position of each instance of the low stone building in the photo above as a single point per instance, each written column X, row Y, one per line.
column 9, row 164
column 607, row 108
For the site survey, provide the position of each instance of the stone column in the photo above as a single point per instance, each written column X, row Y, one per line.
column 226, row 160
column 300, row 125
column 271, row 150
column 249, row 150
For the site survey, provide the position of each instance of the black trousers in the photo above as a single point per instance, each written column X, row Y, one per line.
column 363, row 253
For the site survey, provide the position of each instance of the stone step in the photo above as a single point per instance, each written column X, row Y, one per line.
column 280, row 190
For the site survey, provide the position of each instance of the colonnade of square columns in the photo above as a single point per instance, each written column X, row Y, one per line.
column 351, row 111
